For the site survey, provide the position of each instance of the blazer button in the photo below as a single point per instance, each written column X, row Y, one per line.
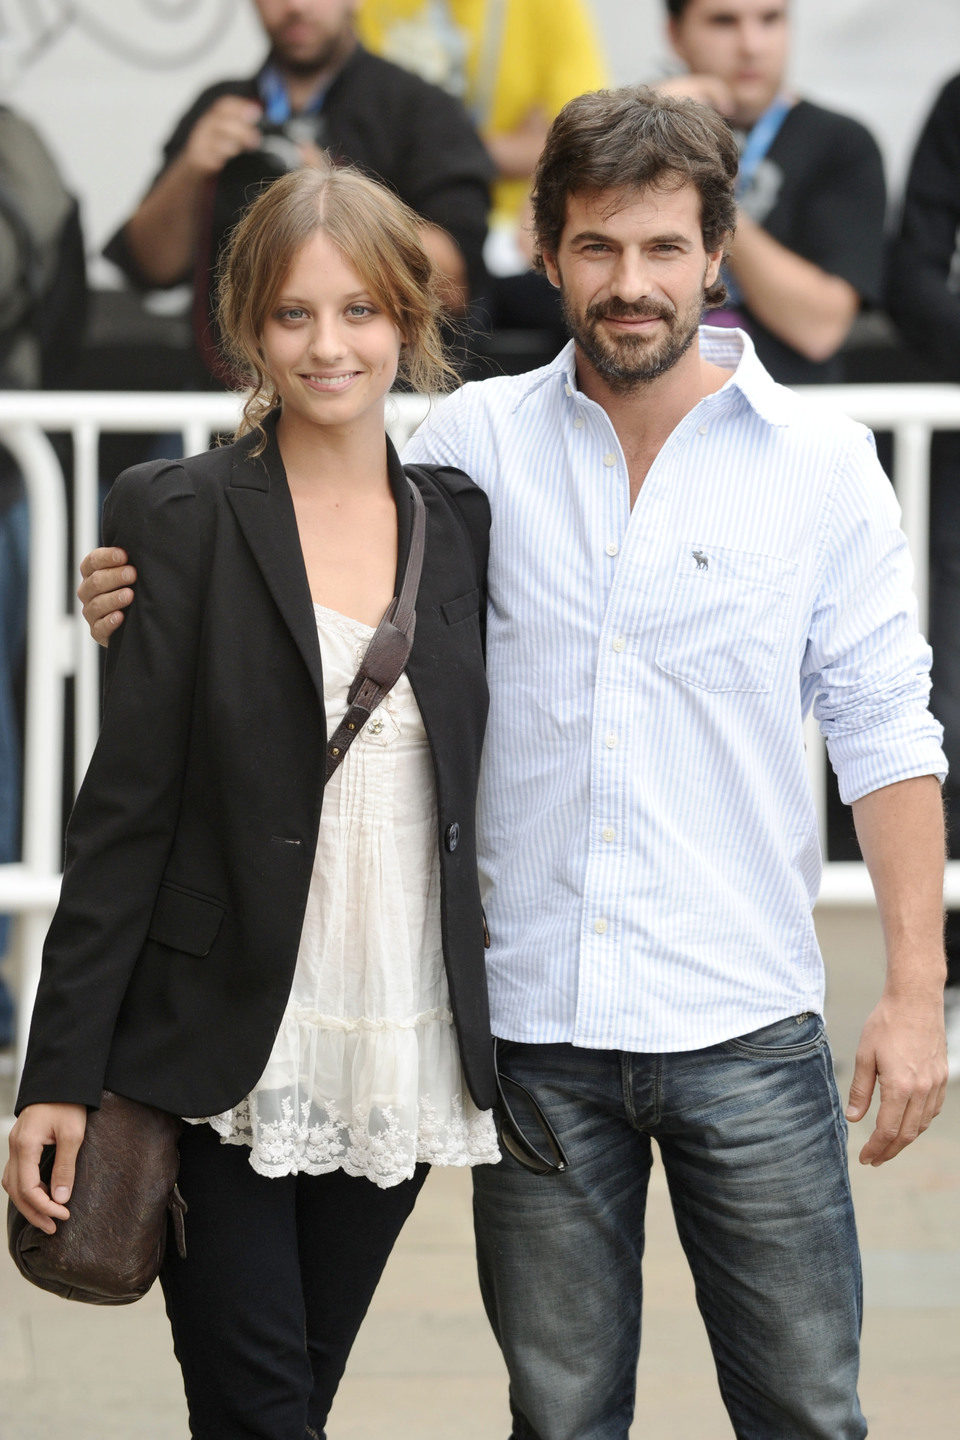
column 452, row 837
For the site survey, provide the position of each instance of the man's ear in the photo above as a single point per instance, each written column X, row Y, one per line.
column 550, row 266
column 673, row 36
column 714, row 261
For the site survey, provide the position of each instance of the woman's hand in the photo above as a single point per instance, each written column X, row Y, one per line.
column 39, row 1125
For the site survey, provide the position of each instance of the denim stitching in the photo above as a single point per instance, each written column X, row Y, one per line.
column 743, row 1046
column 626, row 1089
column 840, row 1127
column 626, row 1093
column 658, row 1090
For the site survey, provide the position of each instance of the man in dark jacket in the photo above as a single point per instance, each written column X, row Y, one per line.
column 808, row 248
column 318, row 88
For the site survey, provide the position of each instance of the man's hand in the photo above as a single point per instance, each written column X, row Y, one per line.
column 162, row 232
column 707, row 89
column 516, row 152
column 104, row 591
column 227, row 128
column 903, row 1048
column 63, row 1126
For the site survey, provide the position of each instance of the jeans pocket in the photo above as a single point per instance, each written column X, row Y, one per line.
column 795, row 1036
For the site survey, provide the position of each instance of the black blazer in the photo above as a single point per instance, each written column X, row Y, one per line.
column 189, row 851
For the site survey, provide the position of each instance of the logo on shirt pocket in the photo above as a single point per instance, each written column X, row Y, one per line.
column 725, row 620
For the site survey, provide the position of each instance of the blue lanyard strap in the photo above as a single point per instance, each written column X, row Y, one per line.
column 276, row 101
column 759, row 140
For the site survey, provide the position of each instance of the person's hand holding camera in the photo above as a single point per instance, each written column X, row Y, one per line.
column 230, row 126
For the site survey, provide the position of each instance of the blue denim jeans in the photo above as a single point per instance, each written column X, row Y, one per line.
column 753, row 1143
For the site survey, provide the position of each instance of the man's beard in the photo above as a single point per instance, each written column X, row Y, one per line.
column 628, row 361
column 313, row 64
column 329, row 52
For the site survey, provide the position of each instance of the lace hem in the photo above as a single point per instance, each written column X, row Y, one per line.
column 378, row 1144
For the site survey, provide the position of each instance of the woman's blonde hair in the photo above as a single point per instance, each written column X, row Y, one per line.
column 379, row 236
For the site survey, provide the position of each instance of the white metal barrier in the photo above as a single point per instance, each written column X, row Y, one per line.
column 58, row 645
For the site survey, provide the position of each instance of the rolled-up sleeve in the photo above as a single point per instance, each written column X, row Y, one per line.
column 866, row 660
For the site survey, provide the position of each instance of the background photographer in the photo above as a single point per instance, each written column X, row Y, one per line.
column 808, row 248
column 317, row 87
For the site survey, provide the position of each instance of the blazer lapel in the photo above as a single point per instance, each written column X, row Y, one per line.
column 260, row 498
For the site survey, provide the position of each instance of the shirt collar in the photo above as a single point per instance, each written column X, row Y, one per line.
column 273, row 91
column 560, row 374
column 731, row 349
column 276, row 102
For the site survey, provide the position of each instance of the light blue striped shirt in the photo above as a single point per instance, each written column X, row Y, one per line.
column 648, row 838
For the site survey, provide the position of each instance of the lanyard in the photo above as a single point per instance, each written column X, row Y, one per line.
column 276, row 101
column 761, row 136
column 759, row 140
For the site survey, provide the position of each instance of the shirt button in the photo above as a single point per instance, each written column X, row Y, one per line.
column 613, row 548
column 607, row 832
column 600, row 926
column 610, row 458
column 578, row 423
column 701, row 429
column 566, row 389
column 611, row 741
column 619, row 643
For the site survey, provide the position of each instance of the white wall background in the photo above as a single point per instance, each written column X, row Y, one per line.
column 106, row 79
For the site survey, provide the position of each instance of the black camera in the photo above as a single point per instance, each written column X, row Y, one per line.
column 281, row 143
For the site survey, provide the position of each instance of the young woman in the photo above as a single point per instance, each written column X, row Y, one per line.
column 297, row 969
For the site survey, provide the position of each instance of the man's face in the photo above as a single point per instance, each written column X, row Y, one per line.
column 632, row 270
column 307, row 35
column 742, row 42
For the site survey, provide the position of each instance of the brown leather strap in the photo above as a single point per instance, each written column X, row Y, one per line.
column 389, row 649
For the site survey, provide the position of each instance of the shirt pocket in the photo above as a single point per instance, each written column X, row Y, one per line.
column 726, row 618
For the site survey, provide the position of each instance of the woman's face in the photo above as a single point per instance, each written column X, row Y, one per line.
column 331, row 351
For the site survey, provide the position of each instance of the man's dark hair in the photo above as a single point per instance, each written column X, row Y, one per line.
column 675, row 8
column 631, row 139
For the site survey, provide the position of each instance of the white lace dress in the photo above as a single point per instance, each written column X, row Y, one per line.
column 365, row 1075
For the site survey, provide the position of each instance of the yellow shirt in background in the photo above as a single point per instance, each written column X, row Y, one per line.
column 503, row 58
